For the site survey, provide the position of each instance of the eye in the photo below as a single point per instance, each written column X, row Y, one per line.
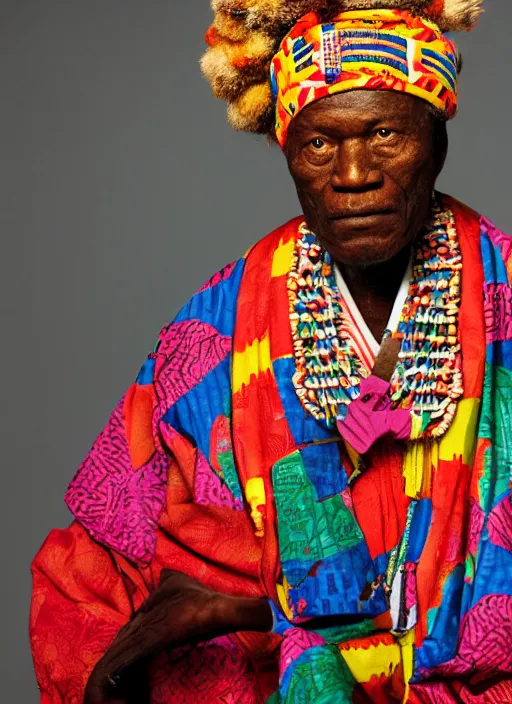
column 384, row 133
column 319, row 151
column 318, row 143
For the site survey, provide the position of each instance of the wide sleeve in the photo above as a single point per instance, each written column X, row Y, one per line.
column 90, row 578
column 158, row 489
column 80, row 600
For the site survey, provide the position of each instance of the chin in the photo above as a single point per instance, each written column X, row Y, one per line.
column 363, row 244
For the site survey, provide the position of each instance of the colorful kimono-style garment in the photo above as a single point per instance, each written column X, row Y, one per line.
column 389, row 572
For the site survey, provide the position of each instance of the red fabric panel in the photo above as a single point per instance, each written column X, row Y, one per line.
column 79, row 603
column 472, row 322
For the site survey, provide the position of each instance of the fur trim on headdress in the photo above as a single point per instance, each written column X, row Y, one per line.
column 458, row 15
column 246, row 34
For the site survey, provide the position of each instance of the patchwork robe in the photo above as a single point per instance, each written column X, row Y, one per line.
column 210, row 465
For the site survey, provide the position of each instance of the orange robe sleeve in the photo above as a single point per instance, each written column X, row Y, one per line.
column 81, row 598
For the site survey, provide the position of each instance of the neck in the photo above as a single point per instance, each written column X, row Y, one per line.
column 374, row 289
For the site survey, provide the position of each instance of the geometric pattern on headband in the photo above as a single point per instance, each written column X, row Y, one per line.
column 373, row 50
column 341, row 47
column 344, row 47
column 245, row 34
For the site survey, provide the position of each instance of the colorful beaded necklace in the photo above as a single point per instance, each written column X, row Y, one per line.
column 428, row 376
column 328, row 371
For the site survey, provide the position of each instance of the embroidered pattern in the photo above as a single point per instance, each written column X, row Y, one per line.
column 117, row 505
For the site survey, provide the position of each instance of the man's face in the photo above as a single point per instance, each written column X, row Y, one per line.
column 364, row 165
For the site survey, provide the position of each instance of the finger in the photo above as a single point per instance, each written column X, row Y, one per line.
column 127, row 647
column 167, row 574
column 143, row 636
column 154, row 599
column 125, row 655
column 136, row 648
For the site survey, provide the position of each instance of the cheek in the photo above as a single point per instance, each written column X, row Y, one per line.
column 415, row 178
column 412, row 170
column 311, row 188
column 309, row 177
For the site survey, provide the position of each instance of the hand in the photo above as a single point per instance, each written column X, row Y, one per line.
column 181, row 611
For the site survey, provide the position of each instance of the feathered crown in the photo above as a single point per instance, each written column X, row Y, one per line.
column 246, row 34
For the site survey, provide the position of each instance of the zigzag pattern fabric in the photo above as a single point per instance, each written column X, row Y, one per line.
column 374, row 49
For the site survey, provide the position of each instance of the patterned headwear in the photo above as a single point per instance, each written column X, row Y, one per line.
column 330, row 46
column 373, row 49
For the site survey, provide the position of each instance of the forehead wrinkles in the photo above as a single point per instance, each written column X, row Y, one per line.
column 357, row 111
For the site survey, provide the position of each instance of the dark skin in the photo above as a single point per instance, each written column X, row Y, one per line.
column 364, row 164
column 181, row 611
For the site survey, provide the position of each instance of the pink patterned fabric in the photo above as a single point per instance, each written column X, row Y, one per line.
column 501, row 693
column 188, row 351
column 498, row 238
column 370, row 417
column 217, row 672
column 209, row 489
column 120, row 507
column 295, row 642
column 346, row 496
column 500, row 524
column 484, row 642
column 453, row 693
column 498, row 312
column 411, row 597
column 217, row 278
column 431, row 693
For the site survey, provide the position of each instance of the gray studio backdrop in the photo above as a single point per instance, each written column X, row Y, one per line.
column 122, row 189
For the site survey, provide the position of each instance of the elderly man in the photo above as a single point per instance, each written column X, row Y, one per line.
column 305, row 496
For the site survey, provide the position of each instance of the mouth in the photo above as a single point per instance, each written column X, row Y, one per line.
column 361, row 215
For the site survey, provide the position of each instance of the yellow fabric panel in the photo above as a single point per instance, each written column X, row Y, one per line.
column 414, row 463
column 372, row 661
column 382, row 659
column 282, row 258
column 253, row 360
column 406, row 643
column 461, row 436
column 256, row 498
column 459, row 441
column 282, row 593
column 352, row 454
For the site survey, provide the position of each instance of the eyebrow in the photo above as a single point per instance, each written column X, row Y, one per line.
column 333, row 126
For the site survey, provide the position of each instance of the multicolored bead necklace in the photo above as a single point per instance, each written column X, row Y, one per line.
column 328, row 371
column 428, row 376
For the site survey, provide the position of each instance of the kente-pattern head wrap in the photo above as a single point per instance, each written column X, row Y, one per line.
column 372, row 49
column 372, row 44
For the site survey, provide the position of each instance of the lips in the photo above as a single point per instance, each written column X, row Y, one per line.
column 354, row 214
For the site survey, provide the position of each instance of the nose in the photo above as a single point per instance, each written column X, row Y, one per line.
column 353, row 170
